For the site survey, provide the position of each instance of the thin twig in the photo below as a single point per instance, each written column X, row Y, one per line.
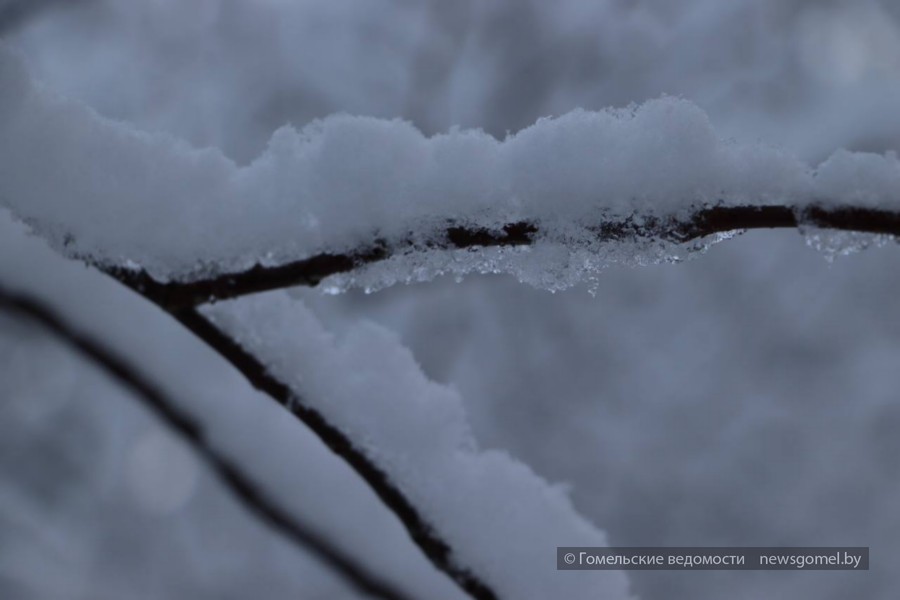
column 230, row 475
column 312, row 270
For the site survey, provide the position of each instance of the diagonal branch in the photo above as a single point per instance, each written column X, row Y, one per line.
column 312, row 270
column 228, row 473
column 423, row 534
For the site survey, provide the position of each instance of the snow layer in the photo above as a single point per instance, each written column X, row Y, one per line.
column 98, row 500
column 116, row 195
column 502, row 520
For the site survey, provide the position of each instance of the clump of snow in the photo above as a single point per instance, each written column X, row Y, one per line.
column 661, row 156
column 860, row 179
column 105, row 191
column 502, row 520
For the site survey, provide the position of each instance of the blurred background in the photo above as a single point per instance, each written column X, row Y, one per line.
column 746, row 397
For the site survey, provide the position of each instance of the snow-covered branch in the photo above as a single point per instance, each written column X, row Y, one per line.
column 474, row 511
column 231, row 476
column 347, row 190
column 420, row 530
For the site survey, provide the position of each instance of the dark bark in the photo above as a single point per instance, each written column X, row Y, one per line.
column 422, row 533
column 312, row 270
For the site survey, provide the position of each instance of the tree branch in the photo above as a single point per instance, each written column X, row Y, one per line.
column 422, row 533
column 312, row 270
column 228, row 473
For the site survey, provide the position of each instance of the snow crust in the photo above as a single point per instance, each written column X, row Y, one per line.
column 502, row 520
column 105, row 191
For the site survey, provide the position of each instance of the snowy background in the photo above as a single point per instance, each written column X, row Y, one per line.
column 745, row 397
